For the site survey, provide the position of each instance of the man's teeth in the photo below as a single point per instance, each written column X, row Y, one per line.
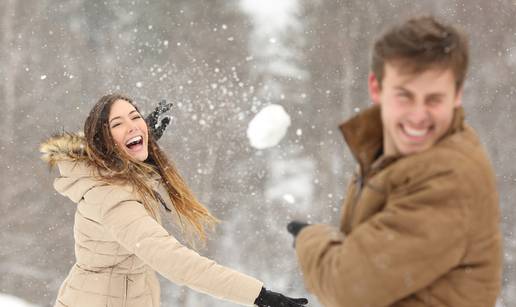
column 415, row 132
column 135, row 139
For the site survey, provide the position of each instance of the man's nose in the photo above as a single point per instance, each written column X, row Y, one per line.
column 419, row 114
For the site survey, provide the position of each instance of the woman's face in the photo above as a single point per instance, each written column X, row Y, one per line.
column 129, row 129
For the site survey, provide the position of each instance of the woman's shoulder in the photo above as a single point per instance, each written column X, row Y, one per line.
column 111, row 193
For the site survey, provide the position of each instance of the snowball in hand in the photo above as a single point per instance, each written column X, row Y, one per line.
column 268, row 127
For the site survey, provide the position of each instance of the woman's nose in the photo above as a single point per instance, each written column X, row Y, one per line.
column 131, row 127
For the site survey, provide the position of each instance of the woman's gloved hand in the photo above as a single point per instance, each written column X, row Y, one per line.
column 157, row 126
column 269, row 298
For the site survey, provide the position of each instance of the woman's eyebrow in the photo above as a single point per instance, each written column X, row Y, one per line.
column 120, row 116
column 116, row 117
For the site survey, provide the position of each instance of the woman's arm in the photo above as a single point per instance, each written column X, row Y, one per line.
column 131, row 225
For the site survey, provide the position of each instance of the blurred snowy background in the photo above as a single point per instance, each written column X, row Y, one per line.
column 221, row 62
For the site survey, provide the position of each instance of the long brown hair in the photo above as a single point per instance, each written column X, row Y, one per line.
column 114, row 165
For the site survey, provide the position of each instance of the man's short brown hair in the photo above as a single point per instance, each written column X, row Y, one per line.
column 419, row 44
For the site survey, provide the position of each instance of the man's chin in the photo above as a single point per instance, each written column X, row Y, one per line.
column 414, row 149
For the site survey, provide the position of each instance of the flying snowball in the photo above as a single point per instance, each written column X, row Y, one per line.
column 289, row 198
column 268, row 127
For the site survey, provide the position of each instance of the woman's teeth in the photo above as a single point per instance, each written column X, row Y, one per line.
column 134, row 140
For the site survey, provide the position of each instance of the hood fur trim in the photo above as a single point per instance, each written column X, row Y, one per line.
column 64, row 146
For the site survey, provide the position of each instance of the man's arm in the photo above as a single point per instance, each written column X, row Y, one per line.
column 419, row 236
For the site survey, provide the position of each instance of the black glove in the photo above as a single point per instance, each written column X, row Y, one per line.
column 156, row 126
column 269, row 298
column 295, row 227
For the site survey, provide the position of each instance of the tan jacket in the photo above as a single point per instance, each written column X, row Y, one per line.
column 419, row 230
column 118, row 245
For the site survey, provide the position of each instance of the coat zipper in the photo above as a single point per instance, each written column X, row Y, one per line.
column 356, row 196
column 360, row 187
column 124, row 302
column 361, row 180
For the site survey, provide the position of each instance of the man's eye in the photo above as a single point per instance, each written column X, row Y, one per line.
column 434, row 102
column 403, row 97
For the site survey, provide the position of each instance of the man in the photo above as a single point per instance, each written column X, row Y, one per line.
column 420, row 223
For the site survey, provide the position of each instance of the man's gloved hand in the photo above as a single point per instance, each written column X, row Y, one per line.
column 156, row 126
column 295, row 227
column 269, row 298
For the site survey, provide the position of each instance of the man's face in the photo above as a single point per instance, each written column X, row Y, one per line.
column 417, row 109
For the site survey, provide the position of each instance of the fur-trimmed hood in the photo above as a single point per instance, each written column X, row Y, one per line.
column 67, row 151
column 64, row 146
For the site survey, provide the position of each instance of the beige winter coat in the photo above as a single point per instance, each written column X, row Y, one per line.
column 416, row 231
column 118, row 245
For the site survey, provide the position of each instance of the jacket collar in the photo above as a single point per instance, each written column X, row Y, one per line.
column 364, row 135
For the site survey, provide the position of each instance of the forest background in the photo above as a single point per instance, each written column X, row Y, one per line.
column 220, row 62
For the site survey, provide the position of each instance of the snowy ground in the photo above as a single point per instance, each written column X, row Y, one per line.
column 7, row 300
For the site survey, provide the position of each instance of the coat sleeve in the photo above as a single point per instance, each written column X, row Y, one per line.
column 131, row 225
column 419, row 236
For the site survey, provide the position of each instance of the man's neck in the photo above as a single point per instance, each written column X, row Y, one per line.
column 388, row 148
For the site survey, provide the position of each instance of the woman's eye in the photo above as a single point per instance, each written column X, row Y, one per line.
column 136, row 117
column 115, row 125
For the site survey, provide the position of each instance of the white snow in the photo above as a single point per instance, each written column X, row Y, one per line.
column 289, row 198
column 7, row 300
column 274, row 24
column 268, row 127
column 272, row 15
column 290, row 180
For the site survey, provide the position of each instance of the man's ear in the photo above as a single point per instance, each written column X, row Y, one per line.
column 374, row 88
column 458, row 97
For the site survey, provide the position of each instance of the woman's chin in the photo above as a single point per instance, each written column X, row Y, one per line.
column 139, row 156
column 142, row 157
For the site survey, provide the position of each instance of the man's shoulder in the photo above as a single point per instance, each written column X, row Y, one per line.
column 462, row 151
column 460, row 155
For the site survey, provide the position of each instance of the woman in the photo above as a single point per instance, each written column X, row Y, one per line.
column 119, row 177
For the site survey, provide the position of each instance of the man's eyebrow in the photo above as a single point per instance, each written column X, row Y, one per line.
column 438, row 95
column 402, row 89
column 116, row 117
